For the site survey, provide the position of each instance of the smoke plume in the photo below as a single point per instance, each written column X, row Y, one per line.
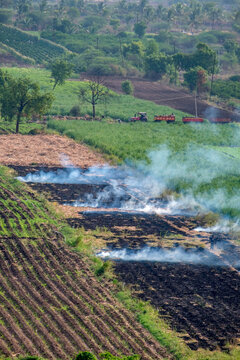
column 175, row 255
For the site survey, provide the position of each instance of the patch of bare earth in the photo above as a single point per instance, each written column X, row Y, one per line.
column 46, row 150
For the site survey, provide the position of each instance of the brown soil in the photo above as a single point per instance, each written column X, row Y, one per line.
column 162, row 94
column 45, row 150
column 53, row 306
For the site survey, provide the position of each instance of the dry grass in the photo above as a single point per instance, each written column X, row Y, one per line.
column 45, row 150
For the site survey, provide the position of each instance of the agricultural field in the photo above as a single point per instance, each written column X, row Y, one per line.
column 34, row 50
column 45, row 287
column 120, row 236
column 117, row 106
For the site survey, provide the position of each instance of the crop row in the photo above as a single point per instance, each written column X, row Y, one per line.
column 41, row 288
column 28, row 45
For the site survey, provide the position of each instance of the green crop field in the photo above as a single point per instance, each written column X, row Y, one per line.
column 29, row 45
column 117, row 106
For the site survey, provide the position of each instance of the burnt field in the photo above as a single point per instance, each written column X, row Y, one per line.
column 198, row 294
column 52, row 303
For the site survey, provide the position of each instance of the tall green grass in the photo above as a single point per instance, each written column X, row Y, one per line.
column 133, row 141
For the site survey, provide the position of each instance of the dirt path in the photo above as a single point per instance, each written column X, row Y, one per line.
column 46, row 150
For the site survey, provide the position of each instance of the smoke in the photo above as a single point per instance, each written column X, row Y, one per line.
column 223, row 226
column 196, row 174
column 175, row 255
column 211, row 113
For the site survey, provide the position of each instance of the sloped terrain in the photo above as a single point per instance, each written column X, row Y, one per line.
column 176, row 98
column 35, row 49
column 52, row 305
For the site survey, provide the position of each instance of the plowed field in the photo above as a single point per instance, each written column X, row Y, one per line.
column 201, row 302
column 52, row 304
column 163, row 94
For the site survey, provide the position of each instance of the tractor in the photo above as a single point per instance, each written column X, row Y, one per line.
column 141, row 116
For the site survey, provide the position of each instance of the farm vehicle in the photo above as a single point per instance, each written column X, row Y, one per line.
column 168, row 118
column 141, row 116
column 187, row 120
column 190, row 119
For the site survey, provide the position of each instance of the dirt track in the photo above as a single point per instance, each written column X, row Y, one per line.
column 163, row 94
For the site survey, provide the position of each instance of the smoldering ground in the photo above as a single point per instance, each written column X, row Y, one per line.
column 198, row 175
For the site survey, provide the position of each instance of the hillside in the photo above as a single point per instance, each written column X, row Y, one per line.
column 52, row 304
column 27, row 47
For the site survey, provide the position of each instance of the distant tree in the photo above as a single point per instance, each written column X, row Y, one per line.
column 43, row 5
column 6, row 3
column 140, row 28
column 22, row 96
column 22, row 7
column 127, row 87
column 152, row 47
column 94, row 92
column 156, row 65
column 204, row 57
column 60, row 71
column 196, row 79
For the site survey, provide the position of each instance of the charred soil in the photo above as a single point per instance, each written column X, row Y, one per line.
column 201, row 302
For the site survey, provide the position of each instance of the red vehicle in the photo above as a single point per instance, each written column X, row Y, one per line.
column 168, row 118
column 220, row 121
column 141, row 116
column 187, row 120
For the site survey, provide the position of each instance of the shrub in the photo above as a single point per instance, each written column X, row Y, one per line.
column 127, row 87
column 75, row 111
column 102, row 270
column 85, row 355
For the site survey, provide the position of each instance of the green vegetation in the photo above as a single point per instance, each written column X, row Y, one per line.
column 23, row 213
column 21, row 96
column 36, row 50
column 134, row 140
column 117, row 106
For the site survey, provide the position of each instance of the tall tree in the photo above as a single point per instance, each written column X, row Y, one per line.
column 22, row 96
column 94, row 92
column 60, row 71
column 139, row 29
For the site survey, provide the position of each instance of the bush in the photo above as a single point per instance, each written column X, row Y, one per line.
column 85, row 355
column 102, row 270
column 235, row 78
column 127, row 87
column 75, row 111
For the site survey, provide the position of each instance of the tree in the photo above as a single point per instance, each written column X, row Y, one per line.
column 94, row 92
column 156, row 65
column 196, row 79
column 61, row 70
column 22, row 96
column 43, row 6
column 204, row 57
column 139, row 29
column 127, row 87
column 152, row 47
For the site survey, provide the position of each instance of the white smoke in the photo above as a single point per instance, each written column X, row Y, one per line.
column 223, row 226
column 175, row 255
column 140, row 187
